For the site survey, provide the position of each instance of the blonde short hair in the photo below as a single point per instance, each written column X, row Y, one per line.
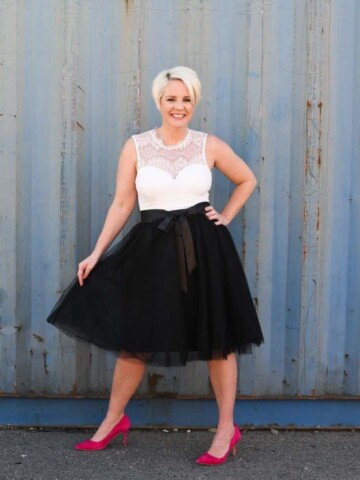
column 185, row 74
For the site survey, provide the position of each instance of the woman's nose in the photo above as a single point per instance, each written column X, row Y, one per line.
column 179, row 105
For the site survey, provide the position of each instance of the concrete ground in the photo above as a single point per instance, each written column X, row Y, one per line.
column 48, row 454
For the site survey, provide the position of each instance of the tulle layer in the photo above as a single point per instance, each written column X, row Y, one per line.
column 132, row 303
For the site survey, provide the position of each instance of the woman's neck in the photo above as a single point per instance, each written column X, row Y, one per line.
column 171, row 135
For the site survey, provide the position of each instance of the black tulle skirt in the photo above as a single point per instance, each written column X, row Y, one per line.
column 171, row 291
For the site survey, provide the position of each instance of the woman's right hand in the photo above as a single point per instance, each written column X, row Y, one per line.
column 86, row 266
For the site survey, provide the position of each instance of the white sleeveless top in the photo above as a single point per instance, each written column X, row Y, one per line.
column 171, row 177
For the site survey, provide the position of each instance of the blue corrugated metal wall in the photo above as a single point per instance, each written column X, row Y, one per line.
column 280, row 84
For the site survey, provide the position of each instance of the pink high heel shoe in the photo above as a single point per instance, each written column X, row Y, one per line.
column 208, row 459
column 123, row 426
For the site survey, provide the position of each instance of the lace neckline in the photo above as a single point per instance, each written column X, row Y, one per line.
column 170, row 147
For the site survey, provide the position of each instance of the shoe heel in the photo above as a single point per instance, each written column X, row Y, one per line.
column 208, row 459
column 125, row 438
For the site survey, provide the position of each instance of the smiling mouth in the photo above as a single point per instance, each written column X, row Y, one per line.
column 178, row 115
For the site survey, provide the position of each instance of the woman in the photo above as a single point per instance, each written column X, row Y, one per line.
column 173, row 290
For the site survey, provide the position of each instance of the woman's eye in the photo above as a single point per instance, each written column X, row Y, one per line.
column 173, row 100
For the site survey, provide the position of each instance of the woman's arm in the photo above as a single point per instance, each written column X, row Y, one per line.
column 119, row 211
column 220, row 155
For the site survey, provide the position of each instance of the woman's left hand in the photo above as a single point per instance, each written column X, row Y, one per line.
column 217, row 218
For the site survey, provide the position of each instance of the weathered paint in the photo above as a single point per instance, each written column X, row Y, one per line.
column 280, row 84
column 182, row 412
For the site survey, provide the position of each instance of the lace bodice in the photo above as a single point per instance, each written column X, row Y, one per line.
column 171, row 177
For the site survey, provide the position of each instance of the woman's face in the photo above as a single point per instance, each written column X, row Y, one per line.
column 175, row 104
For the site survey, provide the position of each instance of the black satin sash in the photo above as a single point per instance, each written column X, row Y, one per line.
column 184, row 241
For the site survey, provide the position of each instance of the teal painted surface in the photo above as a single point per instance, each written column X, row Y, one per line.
column 280, row 84
column 194, row 413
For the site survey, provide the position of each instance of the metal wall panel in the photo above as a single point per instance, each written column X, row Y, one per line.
column 280, row 84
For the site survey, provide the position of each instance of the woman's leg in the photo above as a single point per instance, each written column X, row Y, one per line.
column 127, row 377
column 223, row 377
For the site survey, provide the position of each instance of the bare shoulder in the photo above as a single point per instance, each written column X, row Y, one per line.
column 217, row 149
column 227, row 161
column 128, row 155
column 129, row 147
column 216, row 144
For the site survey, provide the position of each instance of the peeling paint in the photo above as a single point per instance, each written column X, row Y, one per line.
column 45, row 363
column 153, row 379
column 38, row 337
column 10, row 330
column 317, row 222
column 305, row 250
